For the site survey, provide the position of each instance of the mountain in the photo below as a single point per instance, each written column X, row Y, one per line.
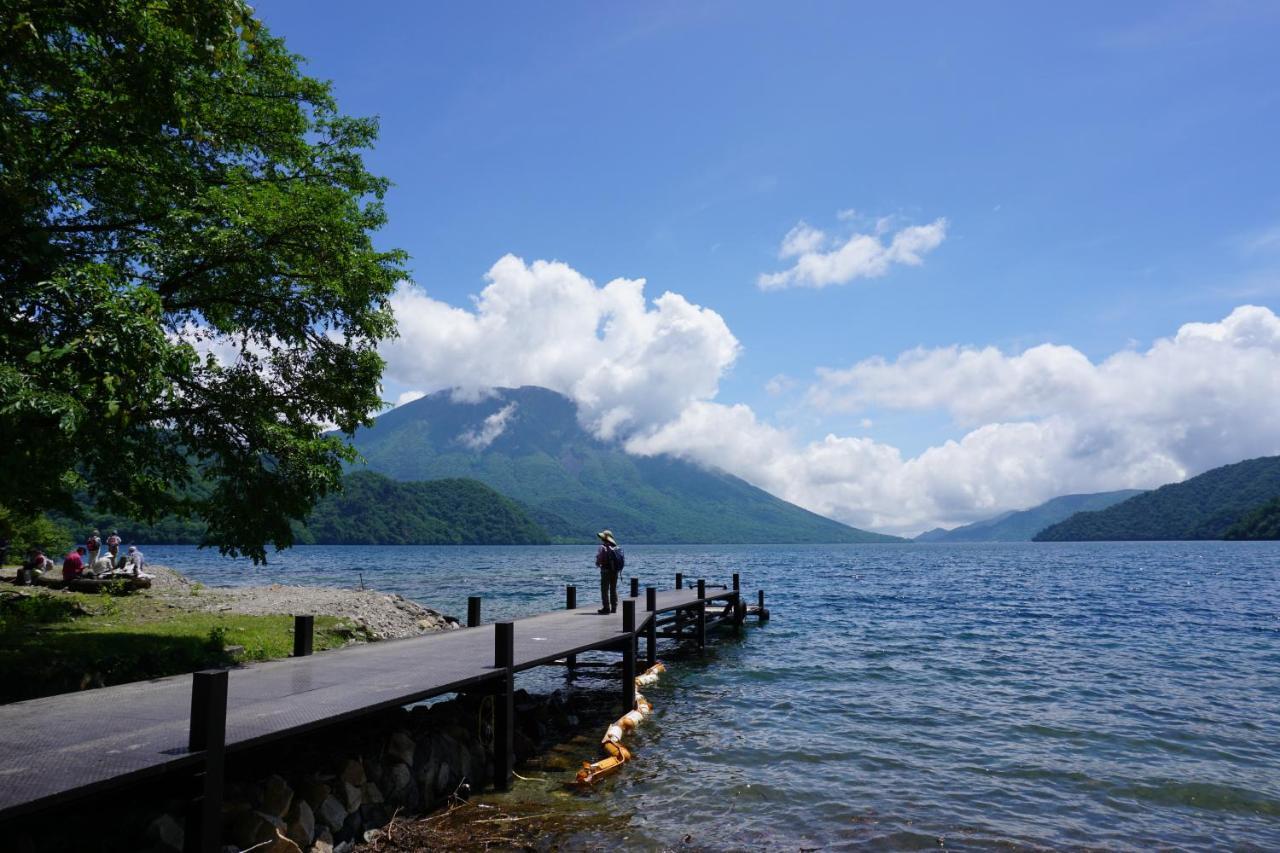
column 527, row 444
column 1022, row 525
column 1204, row 507
column 371, row 510
column 375, row 510
column 1262, row 523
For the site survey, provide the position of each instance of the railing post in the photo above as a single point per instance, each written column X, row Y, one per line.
column 208, row 734
column 737, row 583
column 473, row 611
column 702, row 613
column 651, row 633
column 635, row 587
column 762, row 614
column 679, row 580
column 571, row 603
column 504, row 712
column 629, row 656
column 304, row 630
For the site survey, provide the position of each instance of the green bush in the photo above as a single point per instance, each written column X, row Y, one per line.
column 39, row 532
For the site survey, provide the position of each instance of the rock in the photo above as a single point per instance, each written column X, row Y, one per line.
column 314, row 792
column 248, row 828
column 332, row 813
column 352, row 797
column 277, row 796
column 353, row 827
column 352, row 773
column 166, row 832
column 301, row 824
column 323, row 842
column 281, row 844
column 401, row 747
column 373, row 770
column 372, row 794
column 424, row 624
column 441, row 785
column 398, row 780
column 345, row 847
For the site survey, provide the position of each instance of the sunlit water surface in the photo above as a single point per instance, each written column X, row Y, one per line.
column 1052, row 695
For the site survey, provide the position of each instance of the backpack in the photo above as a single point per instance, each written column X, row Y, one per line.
column 616, row 558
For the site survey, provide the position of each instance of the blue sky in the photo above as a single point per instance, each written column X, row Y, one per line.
column 1105, row 173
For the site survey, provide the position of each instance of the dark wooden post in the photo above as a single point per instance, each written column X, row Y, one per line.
column 737, row 584
column 571, row 603
column 629, row 655
column 651, row 634
column 304, row 629
column 635, row 587
column 504, row 712
column 208, row 734
column 702, row 613
column 473, row 611
column 762, row 614
column 679, row 580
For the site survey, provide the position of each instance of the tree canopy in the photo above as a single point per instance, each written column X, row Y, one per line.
column 190, row 288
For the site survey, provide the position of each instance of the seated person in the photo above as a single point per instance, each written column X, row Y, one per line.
column 35, row 565
column 134, row 563
column 103, row 566
column 73, row 564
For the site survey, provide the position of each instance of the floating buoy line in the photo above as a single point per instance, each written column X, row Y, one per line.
column 618, row 754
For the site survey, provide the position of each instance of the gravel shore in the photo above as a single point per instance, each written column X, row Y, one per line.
column 377, row 615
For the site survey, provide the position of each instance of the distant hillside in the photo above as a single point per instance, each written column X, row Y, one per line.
column 527, row 444
column 1204, row 507
column 372, row 510
column 1022, row 525
column 375, row 510
column 1262, row 523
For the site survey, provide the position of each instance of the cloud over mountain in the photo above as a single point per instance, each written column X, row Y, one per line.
column 1031, row 425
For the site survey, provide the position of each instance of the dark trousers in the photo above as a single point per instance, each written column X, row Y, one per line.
column 609, row 588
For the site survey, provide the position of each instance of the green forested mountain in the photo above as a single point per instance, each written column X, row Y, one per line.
column 375, row 510
column 1262, row 523
column 1203, row 507
column 527, row 444
column 1023, row 525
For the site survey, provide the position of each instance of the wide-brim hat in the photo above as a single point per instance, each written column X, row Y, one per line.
column 607, row 536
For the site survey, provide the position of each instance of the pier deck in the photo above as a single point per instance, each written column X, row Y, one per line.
column 64, row 747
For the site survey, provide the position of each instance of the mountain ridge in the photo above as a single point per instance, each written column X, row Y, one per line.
column 1023, row 525
column 527, row 444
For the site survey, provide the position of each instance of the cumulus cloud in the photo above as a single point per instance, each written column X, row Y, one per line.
column 1040, row 423
column 629, row 363
column 822, row 260
column 493, row 426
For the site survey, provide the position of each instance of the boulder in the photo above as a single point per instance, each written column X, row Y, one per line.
column 281, row 844
column 301, row 823
column 352, row 772
column 401, row 747
column 351, row 796
column 165, row 831
column 248, row 828
column 314, row 792
column 277, row 796
column 372, row 794
column 323, row 842
column 332, row 813
column 398, row 780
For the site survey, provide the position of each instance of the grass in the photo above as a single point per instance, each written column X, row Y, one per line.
column 53, row 643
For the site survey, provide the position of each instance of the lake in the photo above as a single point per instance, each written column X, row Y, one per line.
column 1118, row 695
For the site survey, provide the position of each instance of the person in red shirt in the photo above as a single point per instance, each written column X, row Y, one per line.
column 73, row 565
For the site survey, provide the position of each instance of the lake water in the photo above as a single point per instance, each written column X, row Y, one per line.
column 1030, row 695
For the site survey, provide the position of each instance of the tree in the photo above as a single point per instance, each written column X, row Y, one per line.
column 190, row 291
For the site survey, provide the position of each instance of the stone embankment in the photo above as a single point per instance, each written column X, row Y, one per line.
column 329, row 791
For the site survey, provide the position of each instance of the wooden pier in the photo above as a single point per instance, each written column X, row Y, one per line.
column 60, row 749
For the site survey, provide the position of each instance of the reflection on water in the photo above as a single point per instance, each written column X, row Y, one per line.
column 1110, row 694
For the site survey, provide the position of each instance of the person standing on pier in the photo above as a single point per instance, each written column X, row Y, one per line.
column 610, row 560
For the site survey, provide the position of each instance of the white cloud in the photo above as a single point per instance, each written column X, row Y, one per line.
column 629, row 364
column 409, row 397
column 1034, row 424
column 493, row 426
column 1042, row 423
column 859, row 256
